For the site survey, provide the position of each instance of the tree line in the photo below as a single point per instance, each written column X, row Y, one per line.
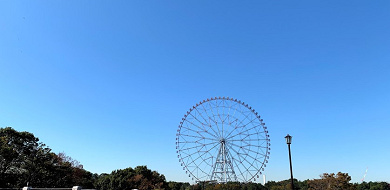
column 25, row 161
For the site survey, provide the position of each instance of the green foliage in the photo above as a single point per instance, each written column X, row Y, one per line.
column 178, row 186
column 285, row 184
column 23, row 159
column 373, row 186
column 331, row 181
column 227, row 186
column 138, row 178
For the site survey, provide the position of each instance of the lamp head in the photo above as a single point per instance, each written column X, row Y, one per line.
column 288, row 139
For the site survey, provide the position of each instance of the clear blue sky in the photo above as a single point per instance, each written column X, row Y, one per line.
column 107, row 82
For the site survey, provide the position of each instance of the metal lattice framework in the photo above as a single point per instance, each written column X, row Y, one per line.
column 222, row 139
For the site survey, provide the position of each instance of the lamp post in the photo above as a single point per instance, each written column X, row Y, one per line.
column 288, row 141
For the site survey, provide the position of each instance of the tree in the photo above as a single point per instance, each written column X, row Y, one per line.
column 76, row 174
column 331, row 182
column 379, row 186
column 253, row 186
column 138, row 178
column 172, row 185
column 147, row 179
column 285, row 184
column 103, row 182
column 19, row 152
column 24, row 160
column 373, row 186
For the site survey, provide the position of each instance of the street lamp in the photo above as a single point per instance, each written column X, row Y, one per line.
column 288, row 141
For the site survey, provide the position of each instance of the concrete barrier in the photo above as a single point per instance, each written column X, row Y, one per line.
column 73, row 188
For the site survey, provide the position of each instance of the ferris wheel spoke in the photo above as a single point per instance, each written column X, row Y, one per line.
column 201, row 145
column 196, row 141
column 244, row 148
column 237, row 165
column 199, row 137
column 209, row 125
column 193, row 161
column 243, row 126
column 245, row 116
column 237, row 126
column 189, row 139
column 228, row 113
column 246, row 160
column 204, row 161
column 242, row 175
column 240, row 133
column 247, row 138
column 201, row 115
column 242, row 140
column 251, row 121
column 212, row 119
column 232, row 115
column 205, row 110
column 197, row 132
column 200, row 164
column 196, row 169
column 258, row 147
column 230, row 123
column 222, row 123
column 254, row 145
column 196, row 118
column 242, row 159
column 225, row 117
column 188, row 142
column 190, row 154
column 255, row 161
column 216, row 123
column 236, row 106
column 205, row 131
column 222, row 116
column 203, row 124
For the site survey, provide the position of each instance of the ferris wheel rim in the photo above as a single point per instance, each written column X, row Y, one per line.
column 257, row 165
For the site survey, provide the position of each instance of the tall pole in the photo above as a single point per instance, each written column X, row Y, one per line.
column 292, row 179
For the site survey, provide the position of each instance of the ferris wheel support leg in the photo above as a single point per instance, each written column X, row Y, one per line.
column 215, row 164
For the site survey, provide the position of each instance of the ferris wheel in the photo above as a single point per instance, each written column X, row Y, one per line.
column 222, row 139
